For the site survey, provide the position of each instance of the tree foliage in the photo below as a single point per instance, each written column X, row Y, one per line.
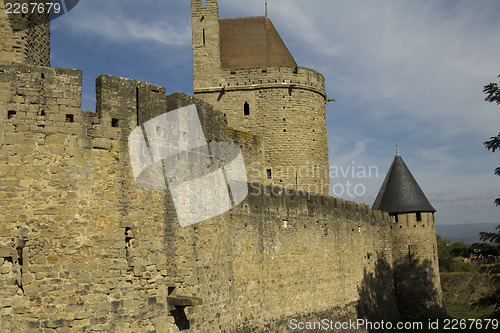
column 491, row 240
column 490, row 248
column 449, row 254
column 492, row 92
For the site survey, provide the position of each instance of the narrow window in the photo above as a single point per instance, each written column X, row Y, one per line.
column 246, row 109
column 269, row 174
column 114, row 122
column 204, row 41
column 11, row 114
column 70, row 118
column 419, row 216
column 396, row 220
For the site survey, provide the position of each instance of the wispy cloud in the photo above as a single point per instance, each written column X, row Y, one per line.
column 128, row 22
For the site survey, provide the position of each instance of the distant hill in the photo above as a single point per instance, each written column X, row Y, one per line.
column 468, row 233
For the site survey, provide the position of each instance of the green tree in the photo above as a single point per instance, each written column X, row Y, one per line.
column 493, row 96
column 449, row 253
column 490, row 247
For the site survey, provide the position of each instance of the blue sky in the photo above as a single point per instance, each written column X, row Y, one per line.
column 402, row 72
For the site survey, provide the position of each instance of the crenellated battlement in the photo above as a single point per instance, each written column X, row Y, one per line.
column 269, row 78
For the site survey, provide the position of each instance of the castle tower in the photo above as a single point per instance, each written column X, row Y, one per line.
column 415, row 257
column 24, row 38
column 243, row 68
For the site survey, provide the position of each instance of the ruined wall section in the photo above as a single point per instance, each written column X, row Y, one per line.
column 286, row 108
column 24, row 38
column 416, row 266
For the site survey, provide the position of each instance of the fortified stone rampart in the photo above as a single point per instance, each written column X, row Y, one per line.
column 84, row 249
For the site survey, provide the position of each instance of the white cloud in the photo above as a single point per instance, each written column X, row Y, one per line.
column 127, row 22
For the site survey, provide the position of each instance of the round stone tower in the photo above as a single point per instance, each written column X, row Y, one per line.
column 414, row 245
column 243, row 68
column 24, row 38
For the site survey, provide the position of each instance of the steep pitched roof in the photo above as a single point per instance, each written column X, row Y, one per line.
column 252, row 42
column 400, row 192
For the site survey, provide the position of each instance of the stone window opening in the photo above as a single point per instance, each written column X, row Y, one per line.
column 246, row 109
column 419, row 216
column 115, row 122
column 204, row 38
column 269, row 174
column 11, row 114
column 70, row 118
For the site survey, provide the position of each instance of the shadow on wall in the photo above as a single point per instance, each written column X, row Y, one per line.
column 377, row 299
column 418, row 289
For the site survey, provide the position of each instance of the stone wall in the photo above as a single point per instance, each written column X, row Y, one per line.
column 24, row 38
column 82, row 248
column 416, row 266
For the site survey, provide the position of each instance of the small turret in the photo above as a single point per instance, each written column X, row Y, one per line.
column 413, row 232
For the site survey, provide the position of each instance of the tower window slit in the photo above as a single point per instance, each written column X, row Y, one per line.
column 269, row 174
column 419, row 216
column 246, row 109
column 204, row 40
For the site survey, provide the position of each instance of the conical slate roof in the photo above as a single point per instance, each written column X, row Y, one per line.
column 400, row 192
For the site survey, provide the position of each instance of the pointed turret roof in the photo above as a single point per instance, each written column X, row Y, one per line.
column 400, row 192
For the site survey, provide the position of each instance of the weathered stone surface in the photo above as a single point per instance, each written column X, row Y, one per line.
column 83, row 248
